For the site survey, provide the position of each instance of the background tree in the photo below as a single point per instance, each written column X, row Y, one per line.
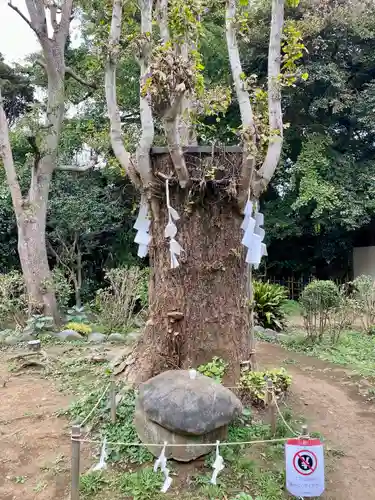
column 31, row 207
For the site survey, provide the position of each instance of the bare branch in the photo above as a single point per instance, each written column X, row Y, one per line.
column 274, row 95
column 70, row 72
column 172, row 118
column 118, row 147
column 75, row 168
column 37, row 15
column 16, row 9
column 7, row 157
column 244, row 103
column 162, row 18
column 63, row 29
column 147, row 119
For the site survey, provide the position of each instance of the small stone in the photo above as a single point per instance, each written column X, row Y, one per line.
column 96, row 338
column 151, row 432
column 69, row 335
column 176, row 315
column 12, row 340
column 133, row 336
column 189, row 406
column 258, row 329
column 27, row 337
column 116, row 337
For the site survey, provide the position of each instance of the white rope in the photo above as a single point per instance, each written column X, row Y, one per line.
column 175, row 445
column 282, row 417
column 96, row 406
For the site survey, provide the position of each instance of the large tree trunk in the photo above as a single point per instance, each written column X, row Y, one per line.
column 32, row 249
column 208, row 290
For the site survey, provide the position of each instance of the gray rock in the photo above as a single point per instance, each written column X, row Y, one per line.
column 69, row 335
column 133, row 336
column 96, row 338
column 12, row 340
column 188, row 406
column 26, row 337
column 116, row 337
column 258, row 329
column 151, row 432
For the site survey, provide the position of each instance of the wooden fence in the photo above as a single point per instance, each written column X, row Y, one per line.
column 295, row 285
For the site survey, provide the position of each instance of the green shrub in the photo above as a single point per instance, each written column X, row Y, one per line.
column 363, row 295
column 320, row 301
column 254, row 384
column 116, row 303
column 214, row 369
column 13, row 299
column 269, row 302
column 62, row 288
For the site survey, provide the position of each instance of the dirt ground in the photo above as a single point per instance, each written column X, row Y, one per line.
column 331, row 401
column 35, row 443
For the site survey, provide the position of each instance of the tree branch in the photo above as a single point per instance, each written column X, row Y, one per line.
column 7, row 157
column 63, row 29
column 147, row 119
column 70, row 72
column 16, row 9
column 172, row 117
column 274, row 96
column 118, row 147
column 37, row 15
column 244, row 103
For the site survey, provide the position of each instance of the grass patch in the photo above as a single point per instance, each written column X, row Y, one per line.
column 354, row 350
column 251, row 472
column 291, row 308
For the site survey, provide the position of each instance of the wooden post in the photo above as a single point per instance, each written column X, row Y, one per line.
column 305, row 432
column 113, row 401
column 271, row 406
column 76, row 455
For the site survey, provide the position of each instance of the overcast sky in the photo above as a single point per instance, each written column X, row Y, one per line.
column 17, row 40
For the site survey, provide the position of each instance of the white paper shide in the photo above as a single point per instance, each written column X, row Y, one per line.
column 170, row 231
column 142, row 225
column 253, row 235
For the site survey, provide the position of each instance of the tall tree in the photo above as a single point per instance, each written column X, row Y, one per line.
column 198, row 304
column 31, row 209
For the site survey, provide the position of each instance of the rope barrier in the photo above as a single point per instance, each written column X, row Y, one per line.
column 282, row 417
column 96, row 405
column 176, row 445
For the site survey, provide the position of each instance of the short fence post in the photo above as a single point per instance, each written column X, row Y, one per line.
column 271, row 406
column 305, row 432
column 76, row 452
column 113, row 401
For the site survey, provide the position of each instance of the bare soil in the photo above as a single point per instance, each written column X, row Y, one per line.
column 332, row 401
column 35, row 443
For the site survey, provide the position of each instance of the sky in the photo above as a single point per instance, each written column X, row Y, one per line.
column 17, row 40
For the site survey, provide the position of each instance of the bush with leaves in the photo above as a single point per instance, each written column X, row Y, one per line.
column 62, row 288
column 13, row 299
column 363, row 295
column 254, row 384
column 117, row 303
column 81, row 328
column 214, row 369
column 321, row 300
column 269, row 301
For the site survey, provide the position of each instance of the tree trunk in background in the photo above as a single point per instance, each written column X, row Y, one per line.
column 32, row 249
column 208, row 290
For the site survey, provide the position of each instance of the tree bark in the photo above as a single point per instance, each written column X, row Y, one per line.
column 198, row 310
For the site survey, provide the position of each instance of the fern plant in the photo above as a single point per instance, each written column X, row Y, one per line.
column 269, row 300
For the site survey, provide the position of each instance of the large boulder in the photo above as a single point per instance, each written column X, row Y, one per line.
column 192, row 406
column 96, row 338
column 116, row 337
column 151, row 432
column 69, row 335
